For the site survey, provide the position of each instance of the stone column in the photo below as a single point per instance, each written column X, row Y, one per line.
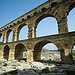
column 61, row 15
column 62, row 54
column 37, row 55
column 15, row 35
column 62, row 25
column 30, row 49
column 66, row 56
column 31, row 31
column 1, row 52
column 29, row 55
column 11, row 54
column 13, row 39
column 4, row 37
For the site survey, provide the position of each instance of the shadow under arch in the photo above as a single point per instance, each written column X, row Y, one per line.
column 20, row 28
column 1, row 37
column 7, row 35
column 38, row 48
column 6, row 52
column 19, row 49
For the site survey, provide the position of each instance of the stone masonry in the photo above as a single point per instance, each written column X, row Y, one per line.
column 64, row 40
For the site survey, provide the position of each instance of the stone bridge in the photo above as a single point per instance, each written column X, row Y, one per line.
column 64, row 40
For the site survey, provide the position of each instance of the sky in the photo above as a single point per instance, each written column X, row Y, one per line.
column 12, row 9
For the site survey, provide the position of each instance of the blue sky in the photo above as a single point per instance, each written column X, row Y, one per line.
column 12, row 9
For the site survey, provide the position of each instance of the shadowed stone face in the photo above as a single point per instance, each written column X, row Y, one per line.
column 6, row 52
column 19, row 51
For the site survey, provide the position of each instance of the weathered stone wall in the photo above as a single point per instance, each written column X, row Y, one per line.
column 64, row 43
column 52, row 8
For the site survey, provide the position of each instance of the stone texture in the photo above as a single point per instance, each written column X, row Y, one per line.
column 34, row 68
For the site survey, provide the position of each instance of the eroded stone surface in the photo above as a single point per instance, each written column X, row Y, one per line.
column 34, row 68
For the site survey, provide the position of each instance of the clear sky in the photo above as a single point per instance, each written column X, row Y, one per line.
column 12, row 9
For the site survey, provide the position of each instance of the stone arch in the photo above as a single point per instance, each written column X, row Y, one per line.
column 35, row 13
column 1, row 37
column 22, row 19
column 14, row 24
column 72, row 45
column 19, row 48
column 53, row 4
column 46, row 16
column 42, row 17
column 38, row 47
column 6, row 52
column 28, row 16
column 18, row 21
column 43, row 9
column 8, row 33
column 10, row 25
column 19, row 29
column 71, row 17
column 71, row 7
column 7, row 27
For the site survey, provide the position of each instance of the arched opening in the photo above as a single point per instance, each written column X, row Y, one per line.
column 53, row 4
column 46, row 26
column 71, row 6
column 73, row 52
column 35, row 13
column 18, row 21
column 23, row 32
column 23, row 19
column 46, row 51
column 20, row 52
column 6, row 52
column 71, row 18
column 43, row 9
column 28, row 16
column 9, row 35
column 1, row 38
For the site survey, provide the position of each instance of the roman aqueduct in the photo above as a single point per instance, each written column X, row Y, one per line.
column 64, row 40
